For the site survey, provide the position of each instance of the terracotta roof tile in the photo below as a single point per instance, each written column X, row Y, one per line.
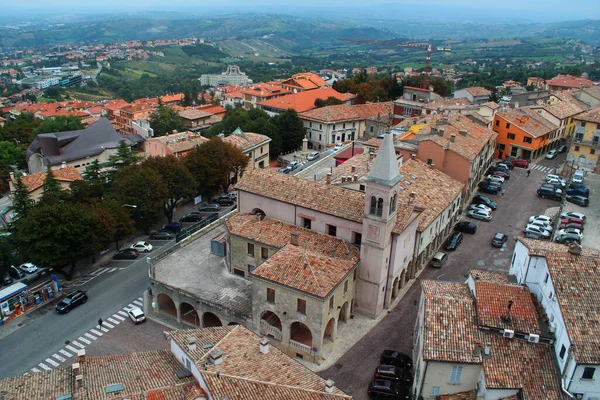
column 180, row 142
column 469, row 395
column 519, row 364
column 592, row 116
column 302, row 101
column 305, row 80
column 450, row 323
column 478, row 91
column 564, row 109
column 492, row 306
column 242, row 358
column 593, row 91
column 528, row 120
column 246, row 140
column 172, row 98
column 499, row 278
column 347, row 112
column 41, row 385
column 184, row 391
column 67, row 174
column 569, row 81
column 194, row 114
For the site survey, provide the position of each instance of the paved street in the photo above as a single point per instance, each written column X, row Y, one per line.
column 353, row 372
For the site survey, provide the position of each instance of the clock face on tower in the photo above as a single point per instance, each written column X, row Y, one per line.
column 373, row 233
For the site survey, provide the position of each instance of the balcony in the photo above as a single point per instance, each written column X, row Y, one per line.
column 300, row 346
column 592, row 143
column 268, row 329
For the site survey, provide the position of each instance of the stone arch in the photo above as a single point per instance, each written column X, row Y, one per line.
column 330, row 330
column 344, row 312
column 189, row 314
column 167, row 305
column 403, row 279
column 232, row 323
column 376, row 206
column 301, row 333
column 259, row 212
column 271, row 318
column 395, row 286
column 209, row 320
column 393, row 202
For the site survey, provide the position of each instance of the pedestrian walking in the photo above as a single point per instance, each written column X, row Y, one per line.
column 528, row 172
column 503, row 192
column 100, row 322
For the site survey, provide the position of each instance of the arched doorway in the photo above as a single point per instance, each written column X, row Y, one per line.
column 402, row 279
column 270, row 325
column 301, row 334
column 232, row 323
column 209, row 319
column 395, row 288
column 166, row 305
column 189, row 314
column 330, row 330
column 344, row 313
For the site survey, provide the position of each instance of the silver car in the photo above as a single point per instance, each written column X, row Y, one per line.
column 536, row 231
column 480, row 214
column 313, row 156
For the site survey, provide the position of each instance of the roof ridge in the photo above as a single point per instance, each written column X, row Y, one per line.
column 235, row 327
column 278, row 384
column 305, row 254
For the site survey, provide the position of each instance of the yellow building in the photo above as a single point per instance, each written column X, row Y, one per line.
column 586, row 144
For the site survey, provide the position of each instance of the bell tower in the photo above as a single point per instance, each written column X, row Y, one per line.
column 379, row 220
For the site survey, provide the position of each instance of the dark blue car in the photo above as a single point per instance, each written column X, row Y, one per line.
column 578, row 191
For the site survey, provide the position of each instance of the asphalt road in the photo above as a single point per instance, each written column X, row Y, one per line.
column 44, row 332
column 354, row 371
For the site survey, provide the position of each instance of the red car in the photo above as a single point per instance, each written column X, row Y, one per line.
column 521, row 163
column 571, row 225
column 571, row 220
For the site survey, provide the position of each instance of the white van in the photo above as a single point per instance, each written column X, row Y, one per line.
column 578, row 176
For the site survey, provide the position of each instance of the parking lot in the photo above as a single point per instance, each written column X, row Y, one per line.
column 592, row 212
column 352, row 373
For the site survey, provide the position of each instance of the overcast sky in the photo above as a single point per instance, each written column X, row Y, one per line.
column 535, row 10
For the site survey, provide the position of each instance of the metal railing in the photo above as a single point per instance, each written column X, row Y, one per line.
column 196, row 227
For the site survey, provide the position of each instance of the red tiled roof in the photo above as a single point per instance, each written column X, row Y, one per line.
column 246, row 140
column 115, row 104
column 416, row 88
column 592, row 116
column 528, row 120
column 67, row 174
column 569, row 81
column 193, row 114
column 305, row 80
column 303, row 101
column 347, row 112
column 172, row 98
column 478, row 91
column 212, row 109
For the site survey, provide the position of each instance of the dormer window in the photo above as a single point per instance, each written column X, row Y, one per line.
column 376, row 206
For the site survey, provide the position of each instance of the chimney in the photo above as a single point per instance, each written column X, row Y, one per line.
column 63, row 164
column 329, row 386
column 453, row 138
column 328, row 178
column 294, row 238
column 353, row 169
column 79, row 382
column 487, row 351
column 372, row 156
column 355, row 178
column 264, row 345
column 441, row 132
column 191, row 343
column 76, row 369
column 81, row 356
column 575, row 249
column 215, row 356
column 413, row 155
column 464, row 133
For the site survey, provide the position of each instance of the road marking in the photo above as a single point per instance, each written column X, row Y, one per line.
column 108, row 325
column 52, row 362
column 140, row 299
column 35, row 370
column 44, row 366
column 102, row 270
column 59, row 358
column 84, row 340
column 66, row 353
column 138, row 303
column 112, row 269
column 114, row 321
column 78, row 344
column 73, row 349
column 123, row 313
column 95, row 332
column 104, row 329
column 90, row 336
column 130, row 306
column 117, row 316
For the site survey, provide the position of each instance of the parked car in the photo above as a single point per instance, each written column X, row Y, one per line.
column 393, row 373
column 126, row 254
column 570, row 231
column 541, row 217
column 578, row 176
column 397, row 358
column 71, row 301
column 572, row 219
column 480, row 214
column 478, row 199
column 231, row 195
column 505, row 165
column 16, row 273
column 466, row 227
column 7, row 279
column 551, row 154
column 495, row 178
column 562, row 149
column 542, row 225
column 490, row 188
column 537, row 231
column 578, row 191
column 549, row 192
column 568, row 238
column 490, row 185
column 383, row 389
column 28, row 267
column 572, row 214
column 136, row 315
column 141, row 246
column 499, row 239
column 292, row 165
column 192, row 217
column 162, row 235
column 313, row 155
column 453, row 241
column 555, row 180
column 502, row 173
column 571, row 225
column 579, row 200
column 508, row 164
column 480, row 207
column 173, row 227
column 225, row 201
column 535, row 235
column 521, row 163
column 438, row 260
column 213, row 207
column 284, row 170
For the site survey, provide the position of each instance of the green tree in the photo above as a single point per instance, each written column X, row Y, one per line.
column 331, row 101
column 165, row 120
column 21, row 202
column 291, row 129
column 11, row 154
column 124, row 158
column 8, row 255
column 58, row 235
column 214, row 163
column 144, row 188
column 93, row 172
column 20, row 130
column 179, row 181
column 52, row 191
column 86, row 192
column 124, row 226
column 60, row 124
column 494, row 95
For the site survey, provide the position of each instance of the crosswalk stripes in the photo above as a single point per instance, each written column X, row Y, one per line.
column 114, row 321
column 108, row 325
column 123, row 313
column 84, row 340
column 35, row 370
column 89, row 335
column 117, row 316
column 44, row 366
column 78, row 344
column 97, row 333
column 541, row 168
column 59, row 358
column 65, row 353
column 130, row 306
column 51, row 362
column 73, row 349
column 138, row 303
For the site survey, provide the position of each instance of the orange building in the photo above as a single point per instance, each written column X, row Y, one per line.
column 523, row 133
